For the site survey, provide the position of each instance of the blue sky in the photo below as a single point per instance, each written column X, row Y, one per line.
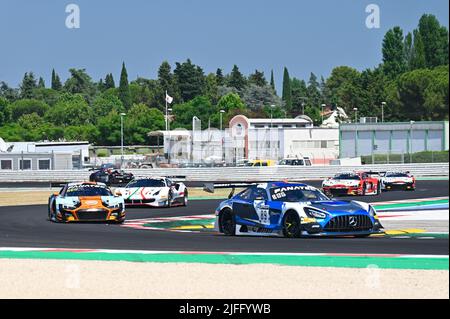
column 305, row 36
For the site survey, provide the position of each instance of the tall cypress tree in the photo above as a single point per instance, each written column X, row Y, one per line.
column 56, row 82
column 272, row 82
column 124, row 88
column 287, row 92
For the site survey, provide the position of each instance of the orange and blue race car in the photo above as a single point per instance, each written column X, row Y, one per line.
column 86, row 201
column 356, row 183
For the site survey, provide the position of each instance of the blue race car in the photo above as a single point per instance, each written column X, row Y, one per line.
column 291, row 210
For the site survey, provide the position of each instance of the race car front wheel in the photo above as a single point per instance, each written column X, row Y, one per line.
column 185, row 198
column 227, row 223
column 291, row 225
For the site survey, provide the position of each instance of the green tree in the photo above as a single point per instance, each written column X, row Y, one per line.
column 417, row 58
column 80, row 82
column 435, row 40
column 190, row 80
column 30, row 121
column 421, row 94
column 109, row 82
column 211, row 88
column 27, row 86
column 26, row 106
column 124, row 88
column 313, row 91
column 141, row 120
column 49, row 96
column 166, row 83
column 220, row 80
column 8, row 93
column 3, row 107
column 70, row 110
column 87, row 132
column 345, row 88
column 56, row 82
column 257, row 78
column 199, row 106
column 41, row 83
column 236, row 79
column 287, row 93
column 272, row 82
column 394, row 53
column 299, row 96
column 257, row 97
column 104, row 104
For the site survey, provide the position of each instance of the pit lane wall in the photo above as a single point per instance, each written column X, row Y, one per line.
column 231, row 173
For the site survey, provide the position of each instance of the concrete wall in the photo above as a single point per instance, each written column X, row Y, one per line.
column 36, row 161
column 395, row 138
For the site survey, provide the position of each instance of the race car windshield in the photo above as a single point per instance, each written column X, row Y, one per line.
column 396, row 175
column 347, row 176
column 296, row 194
column 88, row 190
column 147, row 183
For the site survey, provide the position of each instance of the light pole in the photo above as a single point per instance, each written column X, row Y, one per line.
column 121, row 139
column 321, row 113
column 221, row 114
column 169, row 110
column 411, row 123
column 221, row 135
column 303, row 108
column 382, row 111
column 356, row 131
column 271, row 115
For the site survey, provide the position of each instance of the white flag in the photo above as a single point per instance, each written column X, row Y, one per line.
column 169, row 99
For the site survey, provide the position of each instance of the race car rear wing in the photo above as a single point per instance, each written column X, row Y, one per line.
column 375, row 174
column 210, row 187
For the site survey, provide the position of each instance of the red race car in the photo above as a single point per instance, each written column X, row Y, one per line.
column 356, row 183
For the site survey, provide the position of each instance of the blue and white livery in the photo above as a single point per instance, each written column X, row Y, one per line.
column 292, row 210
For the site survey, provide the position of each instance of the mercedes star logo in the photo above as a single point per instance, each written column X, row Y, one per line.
column 352, row 221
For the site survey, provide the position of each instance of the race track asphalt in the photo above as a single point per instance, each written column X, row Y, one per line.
column 27, row 226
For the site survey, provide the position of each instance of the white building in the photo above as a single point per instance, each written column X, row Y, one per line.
column 249, row 139
column 43, row 155
column 282, row 138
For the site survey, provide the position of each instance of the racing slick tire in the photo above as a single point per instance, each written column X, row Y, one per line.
column 291, row 225
column 185, row 198
column 51, row 213
column 169, row 199
column 227, row 223
column 378, row 189
column 362, row 236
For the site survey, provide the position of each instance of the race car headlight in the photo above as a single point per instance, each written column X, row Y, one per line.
column 311, row 212
column 111, row 205
column 156, row 193
column 72, row 205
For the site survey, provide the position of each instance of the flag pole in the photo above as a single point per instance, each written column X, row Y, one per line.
column 165, row 98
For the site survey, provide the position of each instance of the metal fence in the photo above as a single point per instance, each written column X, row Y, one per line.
column 231, row 173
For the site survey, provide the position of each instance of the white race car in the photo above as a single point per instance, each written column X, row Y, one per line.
column 398, row 180
column 153, row 191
